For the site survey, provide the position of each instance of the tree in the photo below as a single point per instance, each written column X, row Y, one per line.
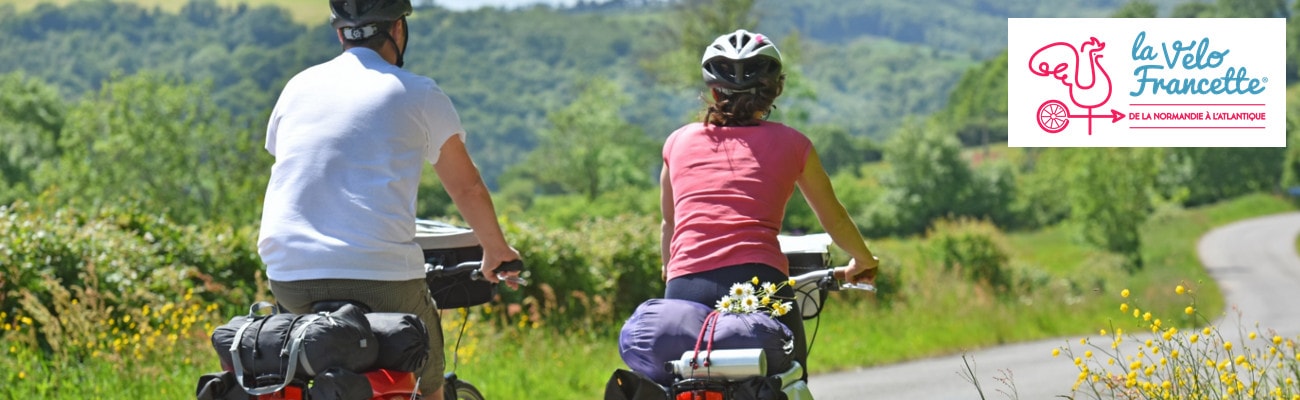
column 695, row 24
column 1251, row 9
column 31, row 117
column 1291, row 166
column 977, row 107
column 1110, row 197
column 1136, row 9
column 155, row 141
column 928, row 179
column 1194, row 9
column 1293, row 48
column 589, row 147
column 839, row 150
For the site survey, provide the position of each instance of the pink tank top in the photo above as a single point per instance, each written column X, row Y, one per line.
column 730, row 187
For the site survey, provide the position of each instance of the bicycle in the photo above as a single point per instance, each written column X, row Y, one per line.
column 696, row 379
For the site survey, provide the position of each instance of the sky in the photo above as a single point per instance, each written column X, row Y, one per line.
column 473, row 4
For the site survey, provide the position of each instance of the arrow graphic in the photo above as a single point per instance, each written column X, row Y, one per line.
column 1114, row 116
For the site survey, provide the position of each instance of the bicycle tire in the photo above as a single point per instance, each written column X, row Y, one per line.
column 461, row 390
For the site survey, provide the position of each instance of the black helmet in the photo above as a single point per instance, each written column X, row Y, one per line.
column 740, row 61
column 357, row 13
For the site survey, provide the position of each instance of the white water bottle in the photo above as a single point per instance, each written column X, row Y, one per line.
column 726, row 364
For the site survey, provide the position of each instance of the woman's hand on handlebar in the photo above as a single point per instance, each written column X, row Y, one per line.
column 862, row 272
column 491, row 261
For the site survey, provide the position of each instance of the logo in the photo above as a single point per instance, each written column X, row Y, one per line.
column 1146, row 82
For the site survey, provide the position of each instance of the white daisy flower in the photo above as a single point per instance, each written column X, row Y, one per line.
column 724, row 304
column 749, row 303
column 741, row 290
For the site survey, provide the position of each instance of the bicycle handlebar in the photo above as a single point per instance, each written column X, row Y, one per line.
column 475, row 269
column 827, row 279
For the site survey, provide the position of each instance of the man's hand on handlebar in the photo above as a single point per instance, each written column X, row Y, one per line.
column 492, row 261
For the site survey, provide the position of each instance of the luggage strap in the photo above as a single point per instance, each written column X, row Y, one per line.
column 295, row 348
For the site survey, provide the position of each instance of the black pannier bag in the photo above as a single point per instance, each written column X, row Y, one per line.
column 219, row 386
column 403, row 341
column 340, row 384
column 270, row 351
column 632, row 385
column 445, row 246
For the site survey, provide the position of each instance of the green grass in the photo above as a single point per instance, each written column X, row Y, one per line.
column 308, row 12
column 1078, row 293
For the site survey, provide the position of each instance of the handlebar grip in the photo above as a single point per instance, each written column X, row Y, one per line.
column 508, row 266
column 859, row 286
column 511, row 266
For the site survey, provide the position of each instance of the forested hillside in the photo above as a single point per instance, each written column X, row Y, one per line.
column 865, row 65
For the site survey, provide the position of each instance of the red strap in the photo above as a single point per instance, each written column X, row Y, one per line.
column 711, row 319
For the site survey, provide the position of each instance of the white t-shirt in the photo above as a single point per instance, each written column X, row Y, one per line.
column 350, row 138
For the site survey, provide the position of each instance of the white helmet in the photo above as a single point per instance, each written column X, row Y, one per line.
column 740, row 61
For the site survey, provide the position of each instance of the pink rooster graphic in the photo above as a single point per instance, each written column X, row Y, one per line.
column 1089, row 84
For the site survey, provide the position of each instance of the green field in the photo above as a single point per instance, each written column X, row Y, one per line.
column 307, row 12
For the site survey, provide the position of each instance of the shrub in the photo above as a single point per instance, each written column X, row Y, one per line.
column 975, row 249
column 596, row 272
column 138, row 257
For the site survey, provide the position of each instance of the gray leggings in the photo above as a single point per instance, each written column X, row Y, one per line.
column 411, row 297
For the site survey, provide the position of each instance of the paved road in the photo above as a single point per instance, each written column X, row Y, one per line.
column 1254, row 262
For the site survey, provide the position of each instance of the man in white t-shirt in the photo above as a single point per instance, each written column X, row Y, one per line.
column 350, row 138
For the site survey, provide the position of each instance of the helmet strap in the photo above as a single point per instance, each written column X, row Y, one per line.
column 400, row 49
column 401, row 53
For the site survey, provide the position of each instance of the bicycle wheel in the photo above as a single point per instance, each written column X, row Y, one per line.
column 461, row 390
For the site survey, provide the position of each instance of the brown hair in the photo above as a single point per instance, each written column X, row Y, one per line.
column 743, row 108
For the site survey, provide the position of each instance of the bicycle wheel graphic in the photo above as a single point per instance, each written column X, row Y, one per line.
column 1053, row 117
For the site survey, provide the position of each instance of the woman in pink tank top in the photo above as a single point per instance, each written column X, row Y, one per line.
column 726, row 181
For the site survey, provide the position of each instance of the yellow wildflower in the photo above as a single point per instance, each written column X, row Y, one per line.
column 1056, row 352
column 1189, row 310
column 1180, row 289
column 1124, row 293
column 1227, row 346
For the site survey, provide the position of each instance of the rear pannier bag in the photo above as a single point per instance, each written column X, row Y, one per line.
column 403, row 341
column 282, row 347
column 660, row 330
